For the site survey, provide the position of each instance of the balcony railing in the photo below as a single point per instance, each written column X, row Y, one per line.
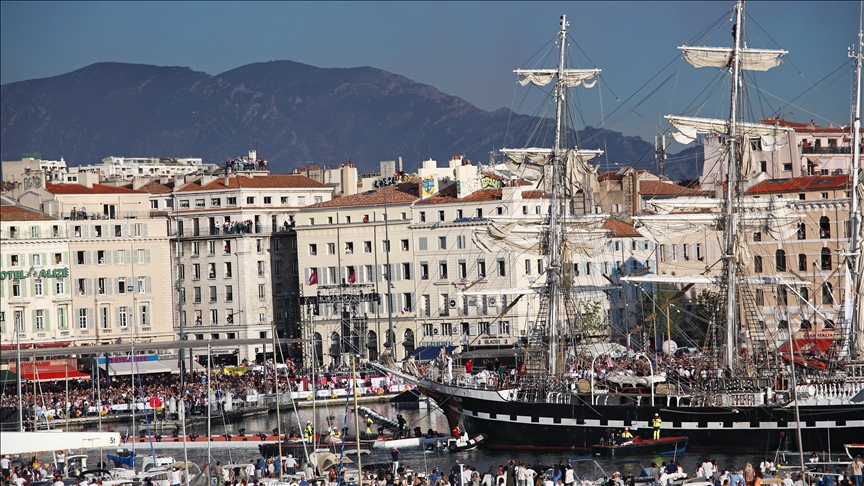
column 118, row 215
column 232, row 232
column 826, row 150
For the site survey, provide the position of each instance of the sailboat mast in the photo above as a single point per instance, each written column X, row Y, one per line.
column 853, row 316
column 731, row 191
column 557, row 180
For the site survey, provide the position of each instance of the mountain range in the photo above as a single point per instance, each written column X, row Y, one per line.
column 297, row 115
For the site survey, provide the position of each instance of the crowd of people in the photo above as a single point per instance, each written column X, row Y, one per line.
column 46, row 400
column 246, row 163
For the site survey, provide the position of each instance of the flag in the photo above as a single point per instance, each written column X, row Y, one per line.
column 404, row 310
column 313, row 278
column 352, row 277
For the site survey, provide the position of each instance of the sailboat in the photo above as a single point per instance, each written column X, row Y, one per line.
column 547, row 407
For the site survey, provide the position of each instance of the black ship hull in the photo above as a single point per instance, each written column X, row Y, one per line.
column 513, row 424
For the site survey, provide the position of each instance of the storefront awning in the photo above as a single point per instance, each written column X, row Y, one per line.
column 144, row 367
column 428, row 353
column 174, row 367
column 804, row 345
column 54, row 375
column 51, row 370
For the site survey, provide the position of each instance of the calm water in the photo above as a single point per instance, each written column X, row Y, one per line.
column 415, row 458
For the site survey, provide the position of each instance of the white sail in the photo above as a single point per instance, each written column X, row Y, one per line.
column 571, row 77
column 721, row 57
column 688, row 127
column 530, row 238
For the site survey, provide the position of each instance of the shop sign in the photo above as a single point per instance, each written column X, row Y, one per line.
column 44, row 273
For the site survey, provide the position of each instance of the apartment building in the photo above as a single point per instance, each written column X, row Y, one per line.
column 345, row 246
column 235, row 254
column 35, row 280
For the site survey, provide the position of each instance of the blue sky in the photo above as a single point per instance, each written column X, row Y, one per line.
column 466, row 49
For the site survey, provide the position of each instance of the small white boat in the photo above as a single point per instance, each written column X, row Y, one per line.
column 463, row 443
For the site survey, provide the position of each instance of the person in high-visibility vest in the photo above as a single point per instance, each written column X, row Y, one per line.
column 626, row 435
column 308, row 432
column 368, row 425
column 656, row 424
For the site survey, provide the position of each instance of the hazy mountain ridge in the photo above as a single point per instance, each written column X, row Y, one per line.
column 297, row 113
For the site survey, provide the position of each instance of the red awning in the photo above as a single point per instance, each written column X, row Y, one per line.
column 804, row 345
column 54, row 375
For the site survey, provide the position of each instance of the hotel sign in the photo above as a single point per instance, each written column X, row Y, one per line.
column 44, row 273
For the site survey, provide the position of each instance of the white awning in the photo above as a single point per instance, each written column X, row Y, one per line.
column 144, row 367
column 174, row 367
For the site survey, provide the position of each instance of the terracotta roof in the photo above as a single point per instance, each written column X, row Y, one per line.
column 806, row 127
column 404, row 192
column 620, row 229
column 448, row 196
column 18, row 213
column 155, row 187
column 536, row 195
column 799, row 184
column 657, row 188
column 79, row 189
column 273, row 181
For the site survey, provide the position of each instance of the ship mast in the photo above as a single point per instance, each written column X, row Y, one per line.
column 731, row 192
column 555, row 229
column 853, row 276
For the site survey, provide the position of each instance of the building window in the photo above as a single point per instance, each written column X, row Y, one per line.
column 103, row 317
column 60, row 286
column 142, row 285
column 825, row 258
column 428, row 329
column 37, row 287
column 440, row 215
column 460, row 242
column 145, row 314
column 121, row 285
column 781, row 295
column 250, row 200
column 61, row 318
column 349, row 247
column 268, row 200
column 502, row 267
column 313, row 249
column 442, row 242
column 214, row 317
column 228, row 272
column 406, row 271
column 122, row 317
column 196, row 271
column 229, row 293
column 260, row 268
column 58, row 258
column 527, row 267
column 211, row 270
column 404, row 244
column 301, row 201
column 385, row 245
column 422, row 216
column 331, row 248
column 16, row 288
column 481, row 268
column 229, row 316
column 184, row 204
column 40, row 320
column 231, row 201
column 262, row 293
column 824, row 227
column 424, row 271
column 318, row 199
column 82, row 319
column 802, row 262
column 757, row 264
column 442, row 270
column 462, row 269
column 760, row 297
column 196, row 294
column 212, row 293
column 827, row 294
column 780, row 260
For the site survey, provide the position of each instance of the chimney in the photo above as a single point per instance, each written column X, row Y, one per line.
column 466, row 178
column 139, row 182
column 253, row 155
column 349, row 179
column 207, row 179
column 400, row 163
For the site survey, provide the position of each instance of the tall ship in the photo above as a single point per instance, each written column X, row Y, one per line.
column 751, row 398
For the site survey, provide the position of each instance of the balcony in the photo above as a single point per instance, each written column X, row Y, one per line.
column 826, row 150
column 234, row 231
column 119, row 215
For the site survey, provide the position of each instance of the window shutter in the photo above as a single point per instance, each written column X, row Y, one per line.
column 47, row 319
column 306, row 277
column 144, row 230
column 126, row 230
column 149, row 285
column 398, row 272
column 85, row 230
column 87, row 257
column 411, row 270
column 147, row 255
column 107, row 258
column 128, row 256
column 117, row 316
column 89, row 286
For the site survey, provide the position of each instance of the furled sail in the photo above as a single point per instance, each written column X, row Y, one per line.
column 688, row 127
column 571, row 77
column 577, row 159
column 525, row 237
column 721, row 57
